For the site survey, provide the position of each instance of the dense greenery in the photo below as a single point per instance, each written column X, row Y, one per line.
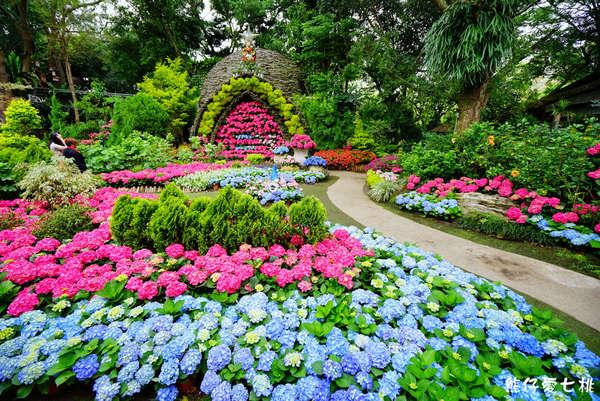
column 17, row 146
column 137, row 151
column 56, row 182
column 231, row 219
column 138, row 113
column 402, row 66
column 552, row 161
column 64, row 222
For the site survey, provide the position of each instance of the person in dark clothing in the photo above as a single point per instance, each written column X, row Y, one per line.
column 71, row 152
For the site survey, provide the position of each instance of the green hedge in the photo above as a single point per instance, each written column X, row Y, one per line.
column 231, row 219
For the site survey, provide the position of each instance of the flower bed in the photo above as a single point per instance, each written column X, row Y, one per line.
column 429, row 205
column 346, row 159
column 385, row 163
column 242, row 177
column 530, row 209
column 249, row 129
column 414, row 326
column 161, row 175
column 268, row 191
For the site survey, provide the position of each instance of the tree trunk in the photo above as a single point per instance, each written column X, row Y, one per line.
column 470, row 103
column 26, row 35
column 71, row 87
column 65, row 55
column 5, row 94
column 3, row 74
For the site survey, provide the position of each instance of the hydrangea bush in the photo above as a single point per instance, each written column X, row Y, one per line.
column 413, row 327
column 249, row 129
column 429, row 205
column 242, row 178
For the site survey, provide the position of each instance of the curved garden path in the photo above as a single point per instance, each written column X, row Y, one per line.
column 573, row 293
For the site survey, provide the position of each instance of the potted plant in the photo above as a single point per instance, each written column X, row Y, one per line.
column 301, row 145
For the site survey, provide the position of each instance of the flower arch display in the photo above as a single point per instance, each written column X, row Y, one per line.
column 249, row 128
column 273, row 98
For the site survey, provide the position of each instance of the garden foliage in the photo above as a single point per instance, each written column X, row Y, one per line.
column 140, row 112
column 231, row 219
column 64, row 222
column 56, row 182
column 16, row 150
column 21, row 118
column 137, row 151
column 169, row 85
column 536, row 156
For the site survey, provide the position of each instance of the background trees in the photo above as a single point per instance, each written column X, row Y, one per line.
column 396, row 68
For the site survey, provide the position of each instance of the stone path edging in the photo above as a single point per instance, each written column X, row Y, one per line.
column 573, row 293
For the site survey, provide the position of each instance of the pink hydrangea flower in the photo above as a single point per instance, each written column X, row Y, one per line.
column 148, row 290
column 513, row 213
column 305, row 286
column 175, row 251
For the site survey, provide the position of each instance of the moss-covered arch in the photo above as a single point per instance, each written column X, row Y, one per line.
column 274, row 98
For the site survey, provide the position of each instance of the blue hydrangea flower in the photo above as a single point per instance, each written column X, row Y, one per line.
column 239, row 393
column 364, row 380
column 209, row 382
column 105, row 389
column 261, row 385
column 222, row 392
column 190, row 361
column 243, row 357
column 167, row 393
column 265, row 360
column 86, row 367
column 284, row 392
column 332, row 369
column 169, row 372
column 145, row 374
column 218, row 357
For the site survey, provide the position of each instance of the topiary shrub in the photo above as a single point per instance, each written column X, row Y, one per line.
column 64, row 223
column 231, row 219
column 168, row 223
column 308, row 218
column 192, row 234
column 171, row 191
column 21, row 118
column 137, row 113
column 121, row 218
column 138, row 236
column 130, row 220
column 279, row 208
column 57, row 182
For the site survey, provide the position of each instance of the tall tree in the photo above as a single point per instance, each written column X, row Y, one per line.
column 469, row 42
column 17, row 11
column 63, row 17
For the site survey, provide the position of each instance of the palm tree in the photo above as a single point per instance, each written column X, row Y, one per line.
column 467, row 44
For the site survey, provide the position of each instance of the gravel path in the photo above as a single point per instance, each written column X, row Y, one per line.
column 573, row 293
